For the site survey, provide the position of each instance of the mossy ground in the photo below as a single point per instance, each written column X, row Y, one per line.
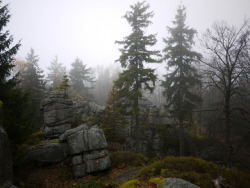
column 196, row 171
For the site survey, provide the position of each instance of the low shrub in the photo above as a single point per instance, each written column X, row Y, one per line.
column 93, row 182
column 197, row 171
column 130, row 184
column 156, row 181
column 114, row 146
column 153, row 182
column 122, row 159
column 33, row 139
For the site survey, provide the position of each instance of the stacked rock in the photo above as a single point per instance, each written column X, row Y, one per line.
column 57, row 110
column 87, row 148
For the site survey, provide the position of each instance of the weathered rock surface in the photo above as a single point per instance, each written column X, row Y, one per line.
column 177, row 183
column 87, row 147
column 98, row 165
column 79, row 171
column 48, row 152
column 83, row 139
column 57, row 111
column 84, row 145
column 155, row 116
column 94, row 161
column 6, row 171
column 83, row 109
column 7, row 184
column 64, row 136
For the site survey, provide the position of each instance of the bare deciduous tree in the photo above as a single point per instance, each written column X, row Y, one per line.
column 228, row 68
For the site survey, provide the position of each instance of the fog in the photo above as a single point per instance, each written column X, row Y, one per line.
column 88, row 29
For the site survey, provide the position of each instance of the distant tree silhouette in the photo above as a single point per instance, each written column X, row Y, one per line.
column 182, row 76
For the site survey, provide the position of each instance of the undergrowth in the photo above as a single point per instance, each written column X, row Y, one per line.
column 124, row 159
column 196, row 171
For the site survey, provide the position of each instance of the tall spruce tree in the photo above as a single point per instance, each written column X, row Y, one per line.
column 113, row 122
column 56, row 72
column 7, row 55
column 79, row 76
column 17, row 117
column 182, row 76
column 32, row 78
column 135, row 77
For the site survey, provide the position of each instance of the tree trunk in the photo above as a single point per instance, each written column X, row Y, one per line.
column 137, row 149
column 181, row 137
column 228, row 131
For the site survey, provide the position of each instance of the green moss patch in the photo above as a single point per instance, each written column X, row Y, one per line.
column 196, row 171
column 130, row 184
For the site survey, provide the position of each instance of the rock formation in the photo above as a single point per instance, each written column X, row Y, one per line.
column 48, row 152
column 57, row 111
column 84, row 109
column 6, row 171
column 87, row 148
column 177, row 183
column 153, row 116
column 84, row 145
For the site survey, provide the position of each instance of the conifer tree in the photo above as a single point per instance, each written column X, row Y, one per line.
column 32, row 78
column 113, row 122
column 135, row 77
column 64, row 85
column 7, row 55
column 79, row 76
column 182, row 76
column 17, row 118
column 56, row 72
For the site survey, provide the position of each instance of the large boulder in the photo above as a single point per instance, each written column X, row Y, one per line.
column 84, row 145
column 57, row 111
column 177, row 183
column 83, row 138
column 6, row 171
column 48, row 152
column 87, row 145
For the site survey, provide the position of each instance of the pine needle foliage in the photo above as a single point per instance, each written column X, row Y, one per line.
column 64, row 85
column 7, row 55
column 17, row 117
column 113, row 122
column 135, row 77
column 32, row 79
column 79, row 77
column 182, row 77
column 56, row 72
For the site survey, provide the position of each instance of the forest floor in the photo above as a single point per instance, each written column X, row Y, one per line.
column 194, row 170
column 61, row 176
column 127, row 175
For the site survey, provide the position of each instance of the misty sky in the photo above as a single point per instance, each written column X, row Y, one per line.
column 88, row 28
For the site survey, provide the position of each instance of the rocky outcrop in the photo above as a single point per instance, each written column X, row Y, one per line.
column 6, row 171
column 7, row 184
column 84, row 109
column 177, row 183
column 84, row 145
column 48, row 152
column 149, row 115
column 87, row 148
column 57, row 111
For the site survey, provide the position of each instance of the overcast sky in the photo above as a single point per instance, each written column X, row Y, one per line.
column 88, row 28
